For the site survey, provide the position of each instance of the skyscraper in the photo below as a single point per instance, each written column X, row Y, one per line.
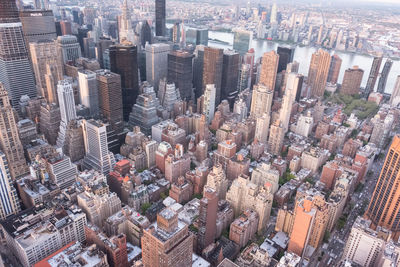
column 373, row 75
column 286, row 55
column 88, row 92
column 123, row 61
column 126, row 31
column 15, row 70
column 198, row 67
column 383, row 209
column 276, row 136
column 160, row 17
column 384, row 76
column 9, row 203
column 180, row 72
column 352, row 81
column 294, row 80
column 318, row 72
column 48, row 68
column 96, row 146
column 156, row 63
column 10, row 143
column 209, row 102
column 230, row 73
column 67, row 108
column 38, row 25
column 274, row 14
column 241, row 40
column 207, row 219
column 212, row 70
column 334, row 69
column 261, row 101
column 395, row 96
column 269, row 68
column 69, row 48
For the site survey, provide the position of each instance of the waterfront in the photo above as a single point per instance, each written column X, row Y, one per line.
column 303, row 56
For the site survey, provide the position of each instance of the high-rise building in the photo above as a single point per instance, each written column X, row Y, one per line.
column 230, row 72
column 67, row 108
column 96, row 146
column 168, row 242
column 269, row 68
column 274, row 14
column 156, row 63
column 9, row 203
column 212, row 70
column 318, row 73
column 207, row 219
column 373, row 75
column 352, row 81
column 384, row 76
column 209, row 102
column 123, row 61
column 16, row 73
column 286, row 55
column 241, row 40
column 261, row 100
column 334, row 69
column 38, row 25
column 395, row 96
column 294, row 81
column 50, row 122
column 69, row 48
column 244, row 80
column 160, row 18
column 62, row 171
column 126, row 32
column 262, row 128
column 180, row 72
column 216, row 180
column 48, row 68
column 10, row 143
column 88, row 92
column 197, row 37
column 276, row 136
column 198, row 67
column 383, row 209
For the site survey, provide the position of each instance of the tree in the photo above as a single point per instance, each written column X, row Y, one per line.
column 145, row 207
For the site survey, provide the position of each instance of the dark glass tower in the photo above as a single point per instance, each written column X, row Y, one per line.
column 230, row 74
column 160, row 18
column 285, row 57
column 145, row 35
column 384, row 76
column 180, row 72
column 373, row 75
column 123, row 61
column 15, row 70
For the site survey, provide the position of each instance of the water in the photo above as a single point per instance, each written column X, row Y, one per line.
column 303, row 56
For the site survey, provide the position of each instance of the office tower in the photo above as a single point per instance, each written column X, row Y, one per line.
column 318, row 73
column 145, row 33
column 61, row 170
column 334, row 69
column 198, row 67
column 89, row 47
column 373, row 75
column 274, row 14
column 244, row 77
column 197, row 37
column 38, row 25
column 209, row 102
column 364, row 245
column 88, row 91
column 212, row 70
column 269, row 68
column 10, row 143
column 102, row 45
column 216, row 180
column 384, row 76
column 241, row 40
column 69, row 48
column 262, row 128
column 96, row 146
column 50, row 119
column 276, row 136
column 352, row 81
column 395, row 96
column 144, row 112
column 176, row 33
column 156, row 63
column 293, row 82
column 243, row 195
column 66, row 28
column 123, row 61
column 16, row 73
column 67, row 108
column 48, row 68
column 9, row 203
column 286, row 55
column 180, row 72
column 230, row 72
column 383, row 210
column 261, row 101
column 207, row 219
column 168, row 95
column 74, row 146
column 126, row 32
column 160, row 18
column 110, row 98
column 167, row 242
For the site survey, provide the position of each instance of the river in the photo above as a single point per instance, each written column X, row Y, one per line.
column 303, row 56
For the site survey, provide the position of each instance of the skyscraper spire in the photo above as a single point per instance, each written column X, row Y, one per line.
column 126, row 31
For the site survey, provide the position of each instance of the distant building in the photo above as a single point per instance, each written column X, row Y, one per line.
column 352, row 81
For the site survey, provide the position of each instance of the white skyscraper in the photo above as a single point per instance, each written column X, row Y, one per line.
column 292, row 84
column 261, row 100
column 262, row 127
column 67, row 108
column 89, row 94
column 274, row 14
column 126, row 31
column 96, row 146
column 209, row 102
column 9, row 204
